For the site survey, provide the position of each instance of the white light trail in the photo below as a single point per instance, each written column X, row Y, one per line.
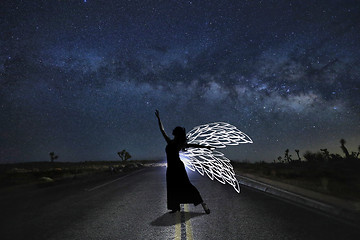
column 213, row 163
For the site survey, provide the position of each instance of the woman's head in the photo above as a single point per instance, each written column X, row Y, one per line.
column 179, row 133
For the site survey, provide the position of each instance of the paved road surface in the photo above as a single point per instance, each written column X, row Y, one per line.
column 134, row 207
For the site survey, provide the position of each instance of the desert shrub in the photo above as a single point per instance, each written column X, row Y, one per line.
column 314, row 157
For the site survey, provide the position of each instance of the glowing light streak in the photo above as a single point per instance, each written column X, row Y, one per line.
column 213, row 163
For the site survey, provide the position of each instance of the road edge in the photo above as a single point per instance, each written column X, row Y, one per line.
column 330, row 209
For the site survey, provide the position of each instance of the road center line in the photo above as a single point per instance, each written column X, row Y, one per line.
column 178, row 226
column 183, row 229
column 189, row 235
column 107, row 183
column 183, row 224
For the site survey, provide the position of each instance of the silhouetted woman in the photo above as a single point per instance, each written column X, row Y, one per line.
column 179, row 188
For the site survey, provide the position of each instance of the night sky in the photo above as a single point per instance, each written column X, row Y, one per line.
column 83, row 78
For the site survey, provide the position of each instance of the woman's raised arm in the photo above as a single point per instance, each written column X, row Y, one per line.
column 167, row 139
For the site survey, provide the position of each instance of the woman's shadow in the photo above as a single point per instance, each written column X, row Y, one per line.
column 169, row 219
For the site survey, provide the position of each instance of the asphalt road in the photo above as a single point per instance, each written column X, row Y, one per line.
column 134, row 207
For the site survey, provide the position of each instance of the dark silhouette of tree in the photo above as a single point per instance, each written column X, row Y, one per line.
column 344, row 149
column 297, row 152
column 124, row 155
column 355, row 154
column 53, row 156
column 314, row 157
column 326, row 153
column 287, row 157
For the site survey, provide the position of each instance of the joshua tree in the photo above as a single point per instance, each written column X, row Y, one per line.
column 52, row 156
column 356, row 154
column 287, row 157
column 297, row 152
column 124, row 155
column 344, row 149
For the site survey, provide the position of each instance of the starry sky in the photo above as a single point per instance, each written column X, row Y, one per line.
column 83, row 78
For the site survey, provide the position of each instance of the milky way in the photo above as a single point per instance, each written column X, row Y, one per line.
column 83, row 78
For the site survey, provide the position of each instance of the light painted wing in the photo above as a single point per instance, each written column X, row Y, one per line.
column 213, row 163
column 218, row 135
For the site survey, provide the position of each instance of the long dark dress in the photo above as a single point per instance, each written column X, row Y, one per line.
column 179, row 188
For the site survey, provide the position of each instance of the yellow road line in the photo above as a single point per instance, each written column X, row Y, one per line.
column 183, row 228
column 189, row 235
column 178, row 226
